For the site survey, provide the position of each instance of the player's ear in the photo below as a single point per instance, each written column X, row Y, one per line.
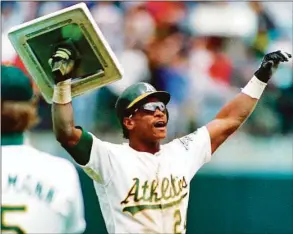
column 128, row 123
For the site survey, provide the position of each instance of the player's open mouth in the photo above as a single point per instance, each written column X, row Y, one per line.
column 160, row 124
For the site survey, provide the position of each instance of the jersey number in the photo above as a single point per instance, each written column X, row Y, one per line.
column 178, row 221
column 11, row 228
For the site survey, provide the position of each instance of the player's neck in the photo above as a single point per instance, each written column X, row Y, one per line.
column 149, row 147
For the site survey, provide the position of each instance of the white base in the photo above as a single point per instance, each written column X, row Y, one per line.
column 78, row 14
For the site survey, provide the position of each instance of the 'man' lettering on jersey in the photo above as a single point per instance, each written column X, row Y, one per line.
column 26, row 184
column 152, row 195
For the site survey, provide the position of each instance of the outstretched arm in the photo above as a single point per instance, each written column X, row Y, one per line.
column 234, row 113
column 230, row 118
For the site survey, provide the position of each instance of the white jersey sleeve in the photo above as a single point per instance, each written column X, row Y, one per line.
column 99, row 167
column 195, row 149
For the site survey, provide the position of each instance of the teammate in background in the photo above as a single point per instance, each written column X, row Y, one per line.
column 40, row 193
column 143, row 186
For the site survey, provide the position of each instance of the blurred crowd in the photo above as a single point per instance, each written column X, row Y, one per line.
column 200, row 52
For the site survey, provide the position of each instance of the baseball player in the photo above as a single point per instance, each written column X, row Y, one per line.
column 40, row 193
column 143, row 186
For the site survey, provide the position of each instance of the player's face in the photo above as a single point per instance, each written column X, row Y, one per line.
column 150, row 121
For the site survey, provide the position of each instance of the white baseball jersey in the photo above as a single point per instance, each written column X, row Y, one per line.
column 144, row 193
column 40, row 193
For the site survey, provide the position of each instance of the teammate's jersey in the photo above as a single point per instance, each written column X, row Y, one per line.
column 144, row 193
column 40, row 193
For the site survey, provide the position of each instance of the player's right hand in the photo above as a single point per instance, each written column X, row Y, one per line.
column 63, row 60
column 270, row 64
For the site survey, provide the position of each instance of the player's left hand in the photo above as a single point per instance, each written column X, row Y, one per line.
column 270, row 63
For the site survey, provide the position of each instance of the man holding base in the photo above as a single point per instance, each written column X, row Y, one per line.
column 143, row 186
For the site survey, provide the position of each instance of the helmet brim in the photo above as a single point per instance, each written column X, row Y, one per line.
column 160, row 95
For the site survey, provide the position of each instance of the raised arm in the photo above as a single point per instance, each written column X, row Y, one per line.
column 63, row 121
column 63, row 124
column 234, row 113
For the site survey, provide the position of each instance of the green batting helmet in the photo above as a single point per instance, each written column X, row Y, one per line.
column 135, row 94
column 15, row 84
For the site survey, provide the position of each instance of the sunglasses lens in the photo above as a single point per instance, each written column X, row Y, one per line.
column 152, row 106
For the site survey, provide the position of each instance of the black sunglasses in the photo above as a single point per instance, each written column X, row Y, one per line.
column 152, row 107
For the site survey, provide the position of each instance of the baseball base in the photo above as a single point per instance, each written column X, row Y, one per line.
column 36, row 41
